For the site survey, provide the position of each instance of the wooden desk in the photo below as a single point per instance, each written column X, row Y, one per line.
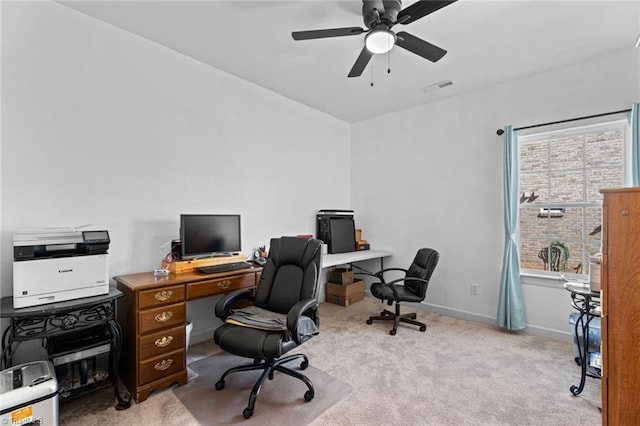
column 153, row 317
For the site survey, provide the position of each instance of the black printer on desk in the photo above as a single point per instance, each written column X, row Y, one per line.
column 337, row 229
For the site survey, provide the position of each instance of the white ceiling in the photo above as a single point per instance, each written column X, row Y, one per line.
column 488, row 42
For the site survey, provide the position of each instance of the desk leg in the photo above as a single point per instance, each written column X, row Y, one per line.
column 116, row 346
column 582, row 351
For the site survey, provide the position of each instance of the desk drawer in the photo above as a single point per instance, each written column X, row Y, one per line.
column 162, row 341
column 160, row 296
column 220, row 285
column 162, row 366
column 161, row 317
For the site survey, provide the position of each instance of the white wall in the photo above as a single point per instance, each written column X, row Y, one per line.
column 432, row 176
column 102, row 127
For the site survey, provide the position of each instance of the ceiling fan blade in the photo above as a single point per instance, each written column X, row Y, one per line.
column 333, row 32
column 361, row 63
column 420, row 9
column 420, row 47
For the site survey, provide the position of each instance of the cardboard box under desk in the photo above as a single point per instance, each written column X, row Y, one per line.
column 345, row 294
column 340, row 276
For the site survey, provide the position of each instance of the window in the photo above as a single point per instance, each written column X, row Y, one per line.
column 561, row 173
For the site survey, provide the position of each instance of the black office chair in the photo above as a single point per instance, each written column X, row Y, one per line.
column 286, row 303
column 413, row 288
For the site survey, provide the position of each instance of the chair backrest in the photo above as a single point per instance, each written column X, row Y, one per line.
column 291, row 273
column 422, row 267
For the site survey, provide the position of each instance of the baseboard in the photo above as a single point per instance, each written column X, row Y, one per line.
column 533, row 330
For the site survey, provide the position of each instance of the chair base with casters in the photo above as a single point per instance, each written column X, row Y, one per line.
column 397, row 318
column 269, row 367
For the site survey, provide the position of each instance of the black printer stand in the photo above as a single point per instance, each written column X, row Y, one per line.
column 62, row 318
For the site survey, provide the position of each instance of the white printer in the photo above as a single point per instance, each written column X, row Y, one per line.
column 57, row 264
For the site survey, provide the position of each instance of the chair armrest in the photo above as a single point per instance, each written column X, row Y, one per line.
column 296, row 312
column 224, row 303
column 380, row 274
column 391, row 269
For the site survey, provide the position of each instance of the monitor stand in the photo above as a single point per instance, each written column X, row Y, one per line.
column 182, row 266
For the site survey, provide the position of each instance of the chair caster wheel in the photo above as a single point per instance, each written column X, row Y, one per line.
column 308, row 396
column 392, row 332
column 304, row 364
column 423, row 328
column 383, row 313
column 414, row 316
column 246, row 413
column 369, row 321
column 220, row 385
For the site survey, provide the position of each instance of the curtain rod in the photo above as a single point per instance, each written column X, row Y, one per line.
column 499, row 132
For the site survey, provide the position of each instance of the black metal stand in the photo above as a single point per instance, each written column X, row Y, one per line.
column 55, row 319
column 587, row 303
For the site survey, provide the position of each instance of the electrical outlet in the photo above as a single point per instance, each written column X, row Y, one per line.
column 474, row 289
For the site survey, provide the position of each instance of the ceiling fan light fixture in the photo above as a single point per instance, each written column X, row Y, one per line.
column 380, row 41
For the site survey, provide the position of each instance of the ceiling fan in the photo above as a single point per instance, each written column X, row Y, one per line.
column 379, row 17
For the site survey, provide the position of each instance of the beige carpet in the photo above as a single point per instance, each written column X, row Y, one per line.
column 456, row 373
column 279, row 400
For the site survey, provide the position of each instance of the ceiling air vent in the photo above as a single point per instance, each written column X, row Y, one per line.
column 435, row 86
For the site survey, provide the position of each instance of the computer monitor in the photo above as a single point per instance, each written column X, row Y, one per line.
column 204, row 235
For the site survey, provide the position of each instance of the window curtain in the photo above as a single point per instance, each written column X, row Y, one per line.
column 634, row 122
column 510, row 305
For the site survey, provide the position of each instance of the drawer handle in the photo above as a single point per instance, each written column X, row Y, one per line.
column 163, row 317
column 161, row 366
column 223, row 285
column 163, row 296
column 165, row 341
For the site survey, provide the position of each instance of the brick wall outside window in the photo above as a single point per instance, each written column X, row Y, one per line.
column 566, row 170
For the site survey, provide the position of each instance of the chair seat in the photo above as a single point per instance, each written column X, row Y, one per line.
column 382, row 291
column 251, row 342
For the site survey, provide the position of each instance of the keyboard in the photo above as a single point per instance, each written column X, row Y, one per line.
column 224, row 267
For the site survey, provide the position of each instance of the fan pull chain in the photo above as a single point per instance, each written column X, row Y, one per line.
column 389, row 62
column 372, row 73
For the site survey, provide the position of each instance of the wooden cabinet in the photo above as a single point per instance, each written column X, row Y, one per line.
column 153, row 315
column 620, row 306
